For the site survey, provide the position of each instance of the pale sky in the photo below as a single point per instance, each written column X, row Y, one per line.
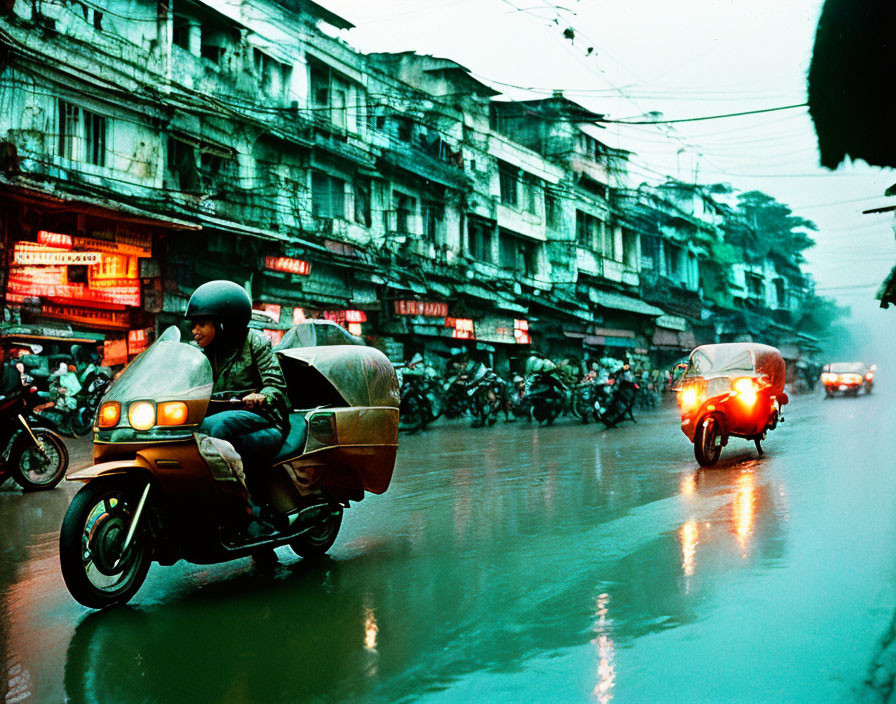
column 685, row 59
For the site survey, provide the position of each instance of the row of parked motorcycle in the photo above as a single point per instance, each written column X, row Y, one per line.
column 67, row 387
column 608, row 393
column 53, row 395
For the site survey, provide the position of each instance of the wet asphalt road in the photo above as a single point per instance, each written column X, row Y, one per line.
column 516, row 564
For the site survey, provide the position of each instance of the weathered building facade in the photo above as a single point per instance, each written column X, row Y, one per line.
column 147, row 148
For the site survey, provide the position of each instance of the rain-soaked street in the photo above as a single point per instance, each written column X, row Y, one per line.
column 563, row 564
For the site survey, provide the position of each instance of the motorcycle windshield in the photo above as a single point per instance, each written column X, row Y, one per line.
column 169, row 370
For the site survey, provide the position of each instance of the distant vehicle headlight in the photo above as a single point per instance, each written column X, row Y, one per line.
column 142, row 415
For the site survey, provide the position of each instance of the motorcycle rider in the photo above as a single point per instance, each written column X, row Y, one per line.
column 241, row 358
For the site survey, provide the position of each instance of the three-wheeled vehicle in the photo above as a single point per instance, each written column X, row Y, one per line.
column 730, row 390
column 159, row 491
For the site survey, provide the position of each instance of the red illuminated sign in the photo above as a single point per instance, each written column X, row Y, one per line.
column 288, row 265
column 91, row 316
column 272, row 310
column 298, row 316
column 463, row 328
column 521, row 332
column 428, row 309
column 54, row 239
column 346, row 316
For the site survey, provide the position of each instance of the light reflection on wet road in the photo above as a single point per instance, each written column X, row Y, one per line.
column 562, row 564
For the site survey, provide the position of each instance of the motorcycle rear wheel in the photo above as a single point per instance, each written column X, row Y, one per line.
column 34, row 471
column 317, row 541
column 95, row 526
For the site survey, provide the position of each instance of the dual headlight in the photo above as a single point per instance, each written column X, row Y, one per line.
column 143, row 415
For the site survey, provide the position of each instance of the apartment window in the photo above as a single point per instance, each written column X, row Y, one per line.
column 362, row 203
column 69, row 127
column 755, row 285
column 433, row 213
column 82, row 134
column 480, row 241
column 339, row 108
column 780, row 293
column 406, row 208
column 608, row 240
column 327, row 196
column 650, row 253
column 508, row 176
column 588, row 229
column 518, row 255
column 182, row 165
column 533, row 195
column 182, row 32
column 552, row 211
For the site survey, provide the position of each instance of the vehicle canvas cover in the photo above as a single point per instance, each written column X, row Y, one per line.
column 314, row 333
column 734, row 359
column 362, row 376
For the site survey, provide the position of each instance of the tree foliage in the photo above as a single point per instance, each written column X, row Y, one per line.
column 765, row 225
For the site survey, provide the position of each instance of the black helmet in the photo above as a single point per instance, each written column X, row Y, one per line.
column 223, row 302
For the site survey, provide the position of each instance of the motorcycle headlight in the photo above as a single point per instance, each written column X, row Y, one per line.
column 109, row 415
column 142, row 415
column 173, row 413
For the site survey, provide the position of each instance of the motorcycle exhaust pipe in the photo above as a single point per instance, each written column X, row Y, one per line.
column 305, row 516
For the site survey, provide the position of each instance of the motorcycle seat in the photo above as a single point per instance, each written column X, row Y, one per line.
column 294, row 442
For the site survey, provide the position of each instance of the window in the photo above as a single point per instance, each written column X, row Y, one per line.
column 69, row 126
column 672, row 261
column 331, row 97
column 650, row 253
column 608, row 240
column 480, row 241
column 327, row 196
column 508, row 176
column 406, row 208
column 433, row 214
column 518, row 255
column 588, row 230
column 553, row 213
column 182, row 165
column 780, row 293
column 362, row 203
column 82, row 134
column 182, row 28
column 533, row 193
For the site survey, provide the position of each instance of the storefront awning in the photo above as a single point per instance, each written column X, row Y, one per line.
column 617, row 301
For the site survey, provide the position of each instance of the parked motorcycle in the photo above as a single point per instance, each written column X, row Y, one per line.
column 33, row 456
column 488, row 396
column 415, row 411
column 616, row 397
column 548, row 395
column 158, row 492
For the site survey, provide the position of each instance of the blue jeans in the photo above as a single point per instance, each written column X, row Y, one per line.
column 253, row 436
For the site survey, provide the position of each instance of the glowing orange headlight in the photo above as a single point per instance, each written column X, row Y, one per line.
column 109, row 415
column 828, row 378
column 869, row 376
column 172, row 413
column 688, row 397
column 745, row 388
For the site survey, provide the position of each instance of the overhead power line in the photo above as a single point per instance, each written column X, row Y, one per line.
column 704, row 117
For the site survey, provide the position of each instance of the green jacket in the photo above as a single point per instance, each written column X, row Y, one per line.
column 254, row 367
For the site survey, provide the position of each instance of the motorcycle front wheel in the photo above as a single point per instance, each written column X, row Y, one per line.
column 708, row 442
column 37, row 468
column 94, row 529
column 318, row 540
